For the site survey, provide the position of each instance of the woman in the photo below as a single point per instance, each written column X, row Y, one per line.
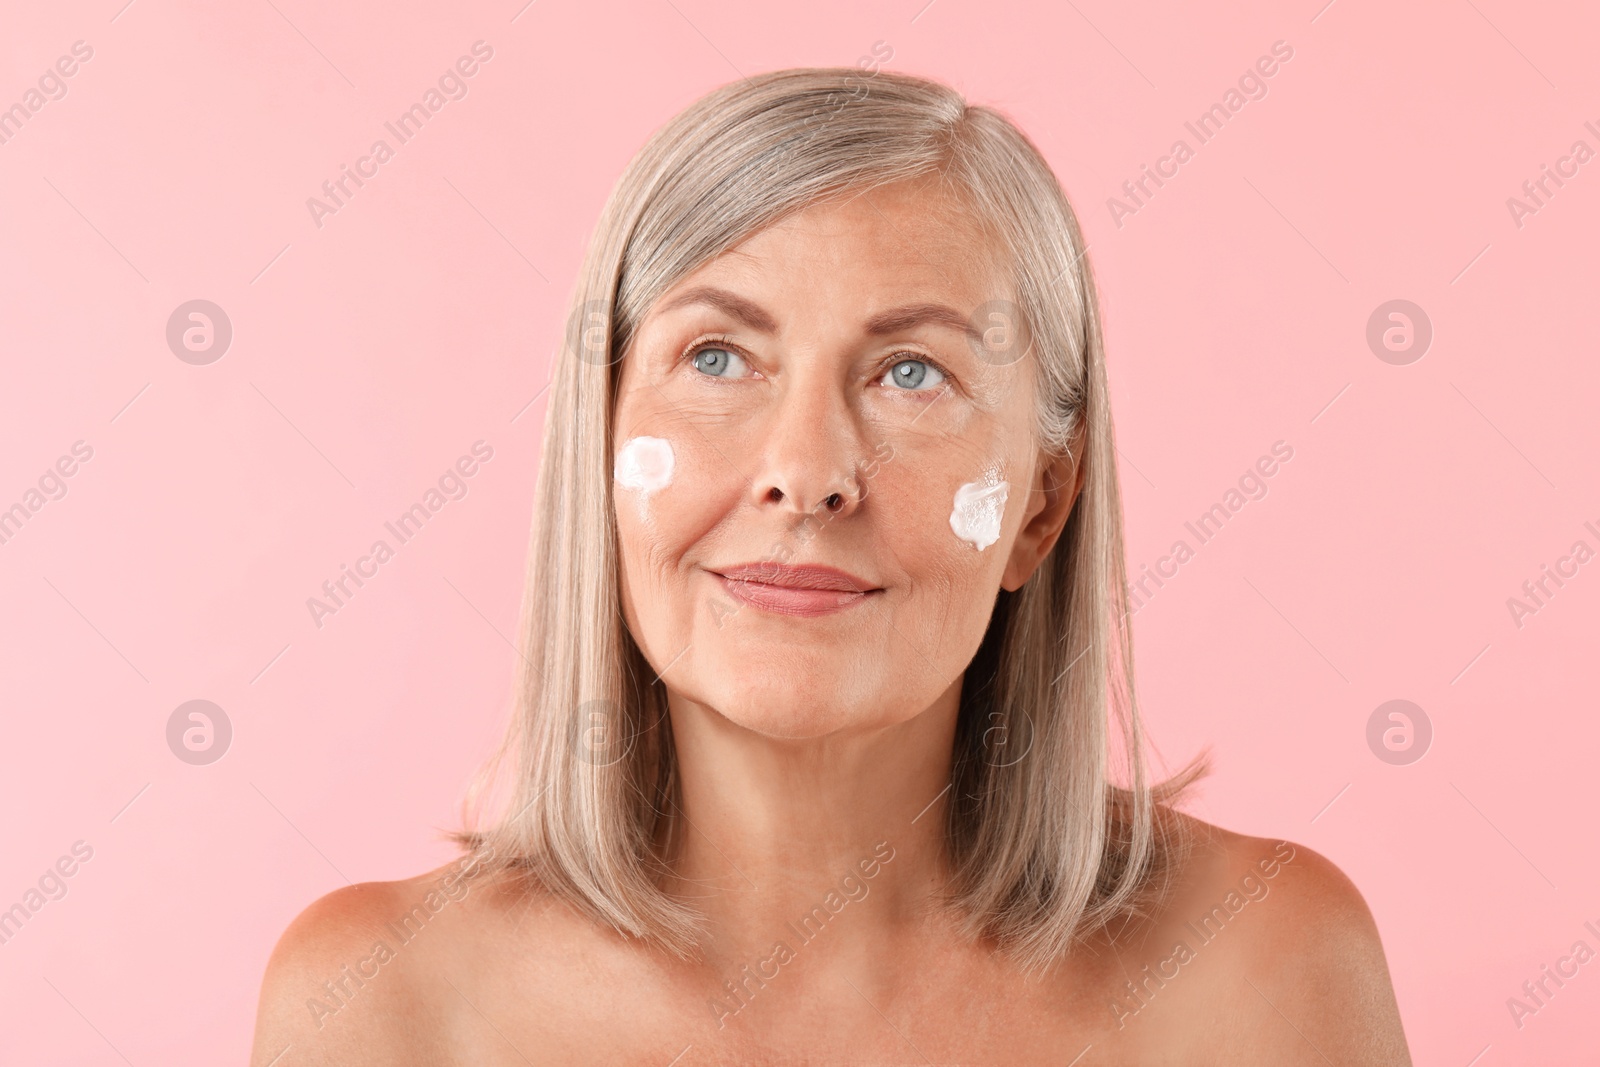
column 826, row 663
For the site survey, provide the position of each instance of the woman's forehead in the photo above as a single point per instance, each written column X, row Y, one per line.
column 887, row 248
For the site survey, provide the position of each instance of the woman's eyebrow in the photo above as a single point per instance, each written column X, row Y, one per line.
column 746, row 311
column 895, row 320
column 892, row 320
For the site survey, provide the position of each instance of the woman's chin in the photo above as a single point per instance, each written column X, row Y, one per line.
column 786, row 710
column 787, row 720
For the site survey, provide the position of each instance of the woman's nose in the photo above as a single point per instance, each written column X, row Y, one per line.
column 810, row 453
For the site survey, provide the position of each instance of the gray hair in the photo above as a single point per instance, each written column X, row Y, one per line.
column 1046, row 847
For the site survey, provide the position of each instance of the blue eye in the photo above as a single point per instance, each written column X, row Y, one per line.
column 716, row 361
column 913, row 373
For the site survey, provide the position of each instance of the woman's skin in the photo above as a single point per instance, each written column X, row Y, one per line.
column 817, row 747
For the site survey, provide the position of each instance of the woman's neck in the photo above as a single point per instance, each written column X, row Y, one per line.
column 780, row 839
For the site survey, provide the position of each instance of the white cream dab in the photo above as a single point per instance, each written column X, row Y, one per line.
column 644, row 464
column 979, row 505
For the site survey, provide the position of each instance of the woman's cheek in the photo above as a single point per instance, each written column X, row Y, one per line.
column 910, row 526
column 960, row 467
column 958, row 515
column 669, row 493
column 643, row 467
column 978, row 508
column 647, row 477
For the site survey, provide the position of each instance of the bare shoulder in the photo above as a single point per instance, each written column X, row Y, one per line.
column 1315, row 893
column 362, row 974
column 1290, row 948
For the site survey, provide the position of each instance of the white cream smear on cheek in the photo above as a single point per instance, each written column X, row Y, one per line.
column 644, row 464
column 975, row 516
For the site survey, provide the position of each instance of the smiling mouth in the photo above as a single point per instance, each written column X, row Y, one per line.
column 804, row 591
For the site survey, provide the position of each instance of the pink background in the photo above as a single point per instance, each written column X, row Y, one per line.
column 368, row 354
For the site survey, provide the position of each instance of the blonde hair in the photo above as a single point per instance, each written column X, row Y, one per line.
column 1045, row 847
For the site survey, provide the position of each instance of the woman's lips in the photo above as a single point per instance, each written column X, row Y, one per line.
column 797, row 594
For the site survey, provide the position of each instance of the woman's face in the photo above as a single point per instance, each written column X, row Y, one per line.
column 843, row 390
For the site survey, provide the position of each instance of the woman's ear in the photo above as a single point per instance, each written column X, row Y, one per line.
column 1051, row 495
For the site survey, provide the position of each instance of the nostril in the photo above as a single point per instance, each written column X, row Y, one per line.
column 833, row 502
column 774, row 494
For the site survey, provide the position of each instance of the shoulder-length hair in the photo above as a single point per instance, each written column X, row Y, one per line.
column 1046, row 842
